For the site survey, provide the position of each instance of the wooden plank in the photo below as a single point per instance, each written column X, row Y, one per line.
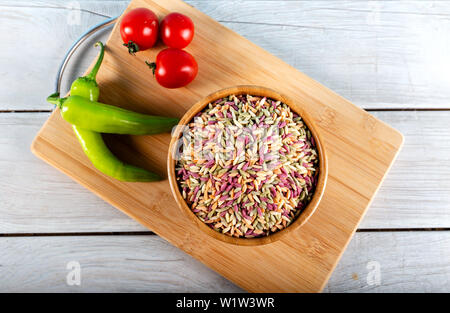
column 47, row 29
column 35, row 198
column 349, row 134
column 108, row 264
column 408, row 262
column 415, row 194
column 371, row 52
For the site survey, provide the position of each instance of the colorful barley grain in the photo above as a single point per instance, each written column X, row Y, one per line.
column 247, row 166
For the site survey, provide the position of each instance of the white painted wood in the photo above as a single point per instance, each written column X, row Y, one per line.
column 108, row 264
column 36, row 198
column 408, row 262
column 38, row 34
column 376, row 53
column 416, row 192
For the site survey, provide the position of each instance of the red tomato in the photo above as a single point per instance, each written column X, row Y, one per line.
column 177, row 30
column 139, row 29
column 174, row 68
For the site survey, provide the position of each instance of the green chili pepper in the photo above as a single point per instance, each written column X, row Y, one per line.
column 105, row 118
column 87, row 86
column 106, row 162
column 92, row 142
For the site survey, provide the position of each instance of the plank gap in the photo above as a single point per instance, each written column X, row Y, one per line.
column 54, row 7
column 81, row 234
column 150, row 233
column 367, row 110
column 405, row 109
column 393, row 230
column 26, row 111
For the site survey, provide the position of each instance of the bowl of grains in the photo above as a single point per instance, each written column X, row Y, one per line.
column 247, row 165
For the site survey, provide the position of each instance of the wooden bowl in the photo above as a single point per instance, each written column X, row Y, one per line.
column 255, row 91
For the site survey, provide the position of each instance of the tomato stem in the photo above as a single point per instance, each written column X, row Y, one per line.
column 132, row 47
column 152, row 66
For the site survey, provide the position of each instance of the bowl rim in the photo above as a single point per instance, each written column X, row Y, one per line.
column 255, row 91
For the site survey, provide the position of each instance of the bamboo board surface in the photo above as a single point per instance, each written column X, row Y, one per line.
column 360, row 151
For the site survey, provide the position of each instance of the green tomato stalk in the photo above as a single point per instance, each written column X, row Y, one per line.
column 133, row 48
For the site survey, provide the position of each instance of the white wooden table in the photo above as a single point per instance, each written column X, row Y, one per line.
column 391, row 58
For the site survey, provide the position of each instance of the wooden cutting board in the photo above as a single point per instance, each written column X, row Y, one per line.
column 360, row 149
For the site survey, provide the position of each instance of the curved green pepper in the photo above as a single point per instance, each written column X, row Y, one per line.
column 106, row 162
column 105, row 118
column 92, row 142
column 87, row 86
